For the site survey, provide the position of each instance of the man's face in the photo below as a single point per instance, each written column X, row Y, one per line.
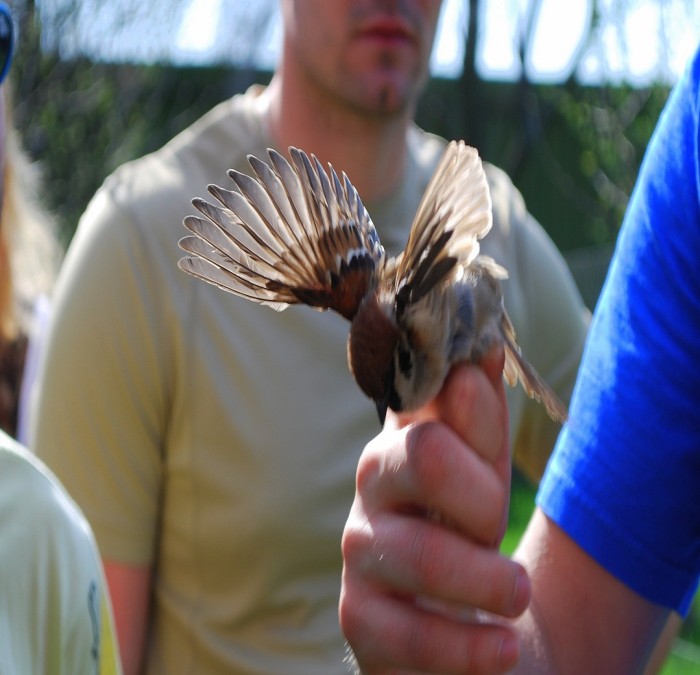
column 370, row 54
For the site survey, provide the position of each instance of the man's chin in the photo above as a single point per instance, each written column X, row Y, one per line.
column 390, row 96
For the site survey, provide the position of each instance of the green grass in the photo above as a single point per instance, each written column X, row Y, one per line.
column 685, row 655
column 522, row 502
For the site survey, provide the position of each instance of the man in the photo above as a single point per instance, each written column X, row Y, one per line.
column 223, row 436
column 614, row 545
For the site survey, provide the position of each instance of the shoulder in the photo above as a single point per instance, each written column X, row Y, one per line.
column 510, row 215
column 160, row 185
column 138, row 211
column 219, row 140
column 48, row 554
column 33, row 500
column 424, row 151
column 516, row 239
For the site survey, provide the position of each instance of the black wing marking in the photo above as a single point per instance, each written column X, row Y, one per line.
column 454, row 213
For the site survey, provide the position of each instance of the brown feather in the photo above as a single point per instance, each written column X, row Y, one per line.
column 517, row 368
column 294, row 233
column 298, row 233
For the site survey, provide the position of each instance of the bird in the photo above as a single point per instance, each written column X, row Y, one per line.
column 295, row 232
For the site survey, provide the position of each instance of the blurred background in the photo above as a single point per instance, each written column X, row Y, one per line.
column 561, row 94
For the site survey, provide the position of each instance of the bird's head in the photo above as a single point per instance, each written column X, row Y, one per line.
column 372, row 344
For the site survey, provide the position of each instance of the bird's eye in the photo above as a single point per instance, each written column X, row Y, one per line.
column 405, row 360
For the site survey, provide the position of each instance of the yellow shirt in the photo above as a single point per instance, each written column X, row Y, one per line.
column 55, row 616
column 216, row 439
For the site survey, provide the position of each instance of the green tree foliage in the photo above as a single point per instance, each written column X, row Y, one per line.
column 80, row 120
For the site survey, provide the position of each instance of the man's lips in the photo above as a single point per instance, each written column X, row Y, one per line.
column 388, row 30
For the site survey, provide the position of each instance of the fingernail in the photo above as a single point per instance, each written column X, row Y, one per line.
column 522, row 592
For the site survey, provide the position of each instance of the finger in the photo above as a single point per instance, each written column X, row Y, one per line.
column 389, row 634
column 426, row 413
column 479, row 414
column 424, row 468
column 412, row 557
column 492, row 364
column 474, row 406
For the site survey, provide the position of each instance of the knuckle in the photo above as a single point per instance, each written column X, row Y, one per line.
column 350, row 616
column 355, row 629
column 369, row 467
column 374, row 642
column 353, row 541
column 358, row 543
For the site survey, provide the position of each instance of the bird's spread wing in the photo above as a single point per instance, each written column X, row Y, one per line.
column 517, row 368
column 454, row 213
column 294, row 233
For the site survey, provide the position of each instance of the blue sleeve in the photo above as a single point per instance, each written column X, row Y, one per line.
column 624, row 480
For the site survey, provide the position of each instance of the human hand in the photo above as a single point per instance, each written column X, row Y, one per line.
column 402, row 563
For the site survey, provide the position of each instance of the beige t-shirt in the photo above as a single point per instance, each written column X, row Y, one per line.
column 216, row 439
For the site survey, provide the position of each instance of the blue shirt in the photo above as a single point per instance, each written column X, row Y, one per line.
column 624, row 480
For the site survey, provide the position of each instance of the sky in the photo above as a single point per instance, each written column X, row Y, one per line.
column 637, row 41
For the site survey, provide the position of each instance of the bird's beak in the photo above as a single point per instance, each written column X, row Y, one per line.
column 384, row 403
column 382, row 407
column 390, row 398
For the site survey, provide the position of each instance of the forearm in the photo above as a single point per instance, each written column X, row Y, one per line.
column 581, row 619
column 130, row 589
column 536, row 657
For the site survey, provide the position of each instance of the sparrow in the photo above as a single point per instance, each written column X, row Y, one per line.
column 298, row 233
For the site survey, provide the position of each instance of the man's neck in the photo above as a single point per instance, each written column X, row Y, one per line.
column 370, row 150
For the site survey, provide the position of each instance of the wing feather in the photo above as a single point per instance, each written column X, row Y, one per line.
column 241, row 233
column 291, row 189
column 458, row 201
column 207, row 271
column 292, row 232
column 517, row 368
column 281, row 238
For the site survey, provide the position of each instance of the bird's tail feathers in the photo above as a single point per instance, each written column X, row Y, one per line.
column 518, row 369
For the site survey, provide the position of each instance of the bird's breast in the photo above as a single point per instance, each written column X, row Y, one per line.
column 371, row 345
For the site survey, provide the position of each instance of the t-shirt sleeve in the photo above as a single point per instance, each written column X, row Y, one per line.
column 625, row 477
column 100, row 407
